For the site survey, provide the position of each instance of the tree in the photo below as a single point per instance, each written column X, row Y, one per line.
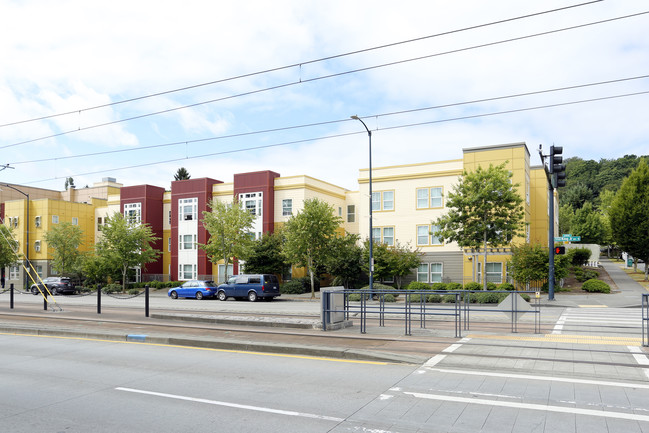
column 484, row 209
column 566, row 214
column 629, row 215
column 404, row 260
column 8, row 248
column 530, row 263
column 126, row 245
column 69, row 183
column 265, row 255
column 229, row 226
column 589, row 224
column 182, row 174
column 64, row 239
column 344, row 262
column 308, row 236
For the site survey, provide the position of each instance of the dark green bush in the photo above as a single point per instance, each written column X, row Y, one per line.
column 596, row 286
column 489, row 298
column 491, row 286
column 379, row 287
column 416, row 298
column 453, row 286
column 434, row 298
column 112, row 288
column 439, row 287
column 417, row 285
column 294, row 287
column 133, row 291
column 582, row 274
column 579, row 256
column 389, row 298
column 449, row 299
column 506, row 286
column 472, row 286
column 356, row 297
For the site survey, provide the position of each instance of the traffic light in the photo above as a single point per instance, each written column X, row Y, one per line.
column 559, row 250
column 557, row 169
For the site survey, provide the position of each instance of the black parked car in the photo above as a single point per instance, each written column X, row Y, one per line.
column 56, row 286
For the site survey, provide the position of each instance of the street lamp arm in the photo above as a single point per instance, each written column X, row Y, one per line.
column 355, row 117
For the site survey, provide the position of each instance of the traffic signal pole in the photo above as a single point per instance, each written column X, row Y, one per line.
column 556, row 175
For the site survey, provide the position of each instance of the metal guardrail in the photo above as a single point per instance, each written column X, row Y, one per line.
column 645, row 319
column 415, row 307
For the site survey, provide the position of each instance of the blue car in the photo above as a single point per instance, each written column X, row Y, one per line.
column 198, row 289
column 250, row 286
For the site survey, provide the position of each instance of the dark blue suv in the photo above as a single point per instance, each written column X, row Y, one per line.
column 250, row 286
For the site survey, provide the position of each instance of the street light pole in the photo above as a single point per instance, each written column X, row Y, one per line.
column 26, row 283
column 369, row 134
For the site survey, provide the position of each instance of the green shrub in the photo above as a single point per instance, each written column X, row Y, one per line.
column 489, row 298
column 417, row 285
column 415, row 299
column 453, row 286
column 112, row 288
column 579, row 256
column 449, row 299
column 438, row 287
column 134, row 291
column 596, row 286
column 582, row 274
column 356, row 297
column 491, row 286
column 389, row 298
column 507, row 286
column 379, row 287
column 472, row 286
column 434, row 298
column 294, row 287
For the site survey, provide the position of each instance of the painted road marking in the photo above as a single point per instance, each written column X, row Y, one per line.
column 452, row 348
column 233, row 405
column 530, row 406
column 640, row 358
column 564, row 338
column 543, row 378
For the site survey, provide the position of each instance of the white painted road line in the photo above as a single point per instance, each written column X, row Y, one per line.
column 543, row 378
column 640, row 358
column 529, row 406
column 233, row 405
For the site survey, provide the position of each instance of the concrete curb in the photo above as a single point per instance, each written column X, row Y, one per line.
column 223, row 344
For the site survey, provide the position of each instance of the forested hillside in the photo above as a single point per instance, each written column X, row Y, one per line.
column 589, row 192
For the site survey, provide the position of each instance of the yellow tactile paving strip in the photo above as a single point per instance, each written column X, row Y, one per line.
column 563, row 338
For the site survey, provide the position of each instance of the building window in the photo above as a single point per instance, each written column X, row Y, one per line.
column 75, row 221
column 428, row 198
column 383, row 235
column 287, row 207
column 14, row 272
column 252, row 202
column 37, row 221
column 133, row 213
column 430, row 273
column 187, row 209
column 383, row 200
column 436, row 272
column 221, row 270
column 13, row 222
column 169, row 217
column 39, row 270
column 186, row 272
column 186, row 242
column 494, row 272
column 37, row 246
column 425, row 235
column 422, row 273
column 100, row 221
column 55, row 219
column 351, row 213
column 169, row 244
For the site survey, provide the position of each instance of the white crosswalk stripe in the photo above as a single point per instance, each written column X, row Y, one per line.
column 608, row 320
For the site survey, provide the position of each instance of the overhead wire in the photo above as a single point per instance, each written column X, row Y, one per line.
column 324, row 77
column 329, row 122
column 322, row 59
column 410, row 125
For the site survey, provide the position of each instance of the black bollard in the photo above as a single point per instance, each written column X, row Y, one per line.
column 11, row 296
column 45, row 299
column 98, row 298
column 146, row 300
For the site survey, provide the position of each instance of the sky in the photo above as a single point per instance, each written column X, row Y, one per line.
column 136, row 90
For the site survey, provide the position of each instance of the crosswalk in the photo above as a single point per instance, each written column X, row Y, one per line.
column 603, row 320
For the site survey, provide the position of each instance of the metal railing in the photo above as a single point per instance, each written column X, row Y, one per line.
column 645, row 319
column 417, row 307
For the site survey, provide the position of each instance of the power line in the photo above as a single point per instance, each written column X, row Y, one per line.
column 410, row 125
column 329, row 122
column 336, row 56
column 353, row 71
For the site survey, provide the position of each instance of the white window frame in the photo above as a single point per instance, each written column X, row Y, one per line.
column 492, row 276
column 187, row 209
column 351, row 213
column 14, row 272
column 434, row 272
column 384, row 237
column 37, row 246
column 37, row 221
column 184, row 240
column 221, row 271
column 55, row 219
column 287, row 207
column 186, row 272
column 422, row 273
column 169, row 244
column 436, row 200
column 133, row 213
column 75, row 221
